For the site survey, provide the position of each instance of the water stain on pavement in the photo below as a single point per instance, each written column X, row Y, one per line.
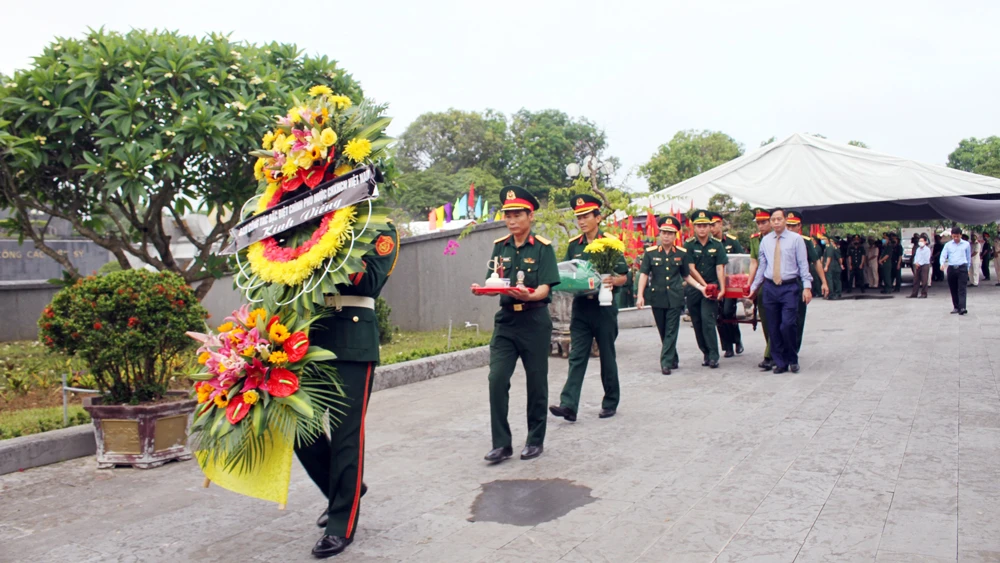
column 528, row 502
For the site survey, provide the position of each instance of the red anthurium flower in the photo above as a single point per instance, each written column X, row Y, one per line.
column 281, row 382
column 314, row 176
column 296, row 346
column 237, row 409
column 273, row 320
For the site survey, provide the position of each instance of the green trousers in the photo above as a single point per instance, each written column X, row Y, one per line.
column 336, row 464
column 885, row 275
column 729, row 333
column 759, row 307
column 590, row 321
column 526, row 335
column 704, row 313
column 801, row 327
column 668, row 323
column 836, row 287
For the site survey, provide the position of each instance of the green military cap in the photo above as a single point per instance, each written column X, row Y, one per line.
column 516, row 198
column 701, row 217
column 585, row 203
column 670, row 223
column 793, row 218
column 761, row 214
column 716, row 217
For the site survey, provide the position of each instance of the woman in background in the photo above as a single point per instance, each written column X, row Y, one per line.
column 871, row 264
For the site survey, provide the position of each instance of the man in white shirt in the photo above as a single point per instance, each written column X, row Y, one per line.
column 921, row 267
column 957, row 255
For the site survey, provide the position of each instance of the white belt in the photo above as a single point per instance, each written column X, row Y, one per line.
column 340, row 301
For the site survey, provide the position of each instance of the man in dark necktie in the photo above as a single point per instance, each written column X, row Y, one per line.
column 783, row 263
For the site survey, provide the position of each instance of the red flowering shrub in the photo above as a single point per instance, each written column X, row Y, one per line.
column 128, row 326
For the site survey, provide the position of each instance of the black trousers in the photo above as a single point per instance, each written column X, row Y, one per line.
column 986, row 268
column 856, row 279
column 958, row 280
column 337, row 464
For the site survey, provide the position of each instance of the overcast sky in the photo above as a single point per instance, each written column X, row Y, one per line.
column 909, row 78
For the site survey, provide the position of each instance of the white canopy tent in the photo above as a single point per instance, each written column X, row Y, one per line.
column 833, row 182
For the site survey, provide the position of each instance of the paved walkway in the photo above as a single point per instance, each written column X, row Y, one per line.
column 885, row 447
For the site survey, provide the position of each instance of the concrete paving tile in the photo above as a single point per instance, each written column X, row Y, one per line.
column 748, row 548
column 978, row 556
column 833, row 542
column 447, row 552
column 927, row 495
column 619, row 541
column 924, row 533
column 856, row 507
column 697, row 533
column 904, row 557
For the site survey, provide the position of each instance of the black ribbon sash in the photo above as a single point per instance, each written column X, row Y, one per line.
column 343, row 191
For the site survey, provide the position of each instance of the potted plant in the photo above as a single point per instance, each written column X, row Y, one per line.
column 129, row 327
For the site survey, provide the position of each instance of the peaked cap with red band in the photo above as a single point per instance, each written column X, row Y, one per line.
column 761, row 214
column 516, row 198
column 585, row 203
column 793, row 218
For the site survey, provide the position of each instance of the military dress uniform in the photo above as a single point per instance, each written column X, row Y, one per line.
column 897, row 269
column 761, row 214
column 832, row 253
column 794, row 218
column 664, row 293
column 885, row 252
column 349, row 329
column 590, row 321
column 704, row 312
column 855, row 261
column 521, row 329
column 729, row 333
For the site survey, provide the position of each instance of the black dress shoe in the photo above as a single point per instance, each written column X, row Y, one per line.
column 563, row 412
column 766, row 365
column 705, row 362
column 531, row 452
column 328, row 546
column 955, row 311
column 794, row 368
column 675, row 366
column 607, row 413
column 728, row 354
column 739, row 348
column 665, row 371
column 325, row 517
column 779, row 370
column 963, row 312
column 713, row 364
column 497, row 455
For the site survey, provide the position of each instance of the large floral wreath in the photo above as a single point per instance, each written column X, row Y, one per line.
column 318, row 140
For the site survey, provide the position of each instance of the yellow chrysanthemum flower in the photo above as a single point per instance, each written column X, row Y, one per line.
column 203, row 358
column 342, row 102
column 268, row 140
column 295, row 114
column 278, row 334
column 278, row 358
column 289, row 168
column 256, row 315
column 320, row 90
column 358, row 149
column 343, row 169
column 267, row 196
column 250, row 397
column 258, row 169
column 225, row 327
column 221, row 401
column 285, row 144
column 328, row 137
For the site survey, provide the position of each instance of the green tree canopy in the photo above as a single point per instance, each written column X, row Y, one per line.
column 688, row 154
column 979, row 156
column 452, row 140
column 124, row 134
column 426, row 189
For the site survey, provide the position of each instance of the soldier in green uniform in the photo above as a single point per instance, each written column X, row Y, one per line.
column 885, row 253
column 590, row 320
column 729, row 333
column 832, row 265
column 522, row 327
column 348, row 329
column 661, row 286
column 794, row 223
column 855, row 261
column 763, row 219
column 626, row 293
column 706, row 259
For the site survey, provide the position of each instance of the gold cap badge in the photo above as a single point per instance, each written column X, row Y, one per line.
column 579, row 201
column 511, row 195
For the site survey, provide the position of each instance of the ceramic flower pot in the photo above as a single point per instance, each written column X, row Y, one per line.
column 143, row 436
